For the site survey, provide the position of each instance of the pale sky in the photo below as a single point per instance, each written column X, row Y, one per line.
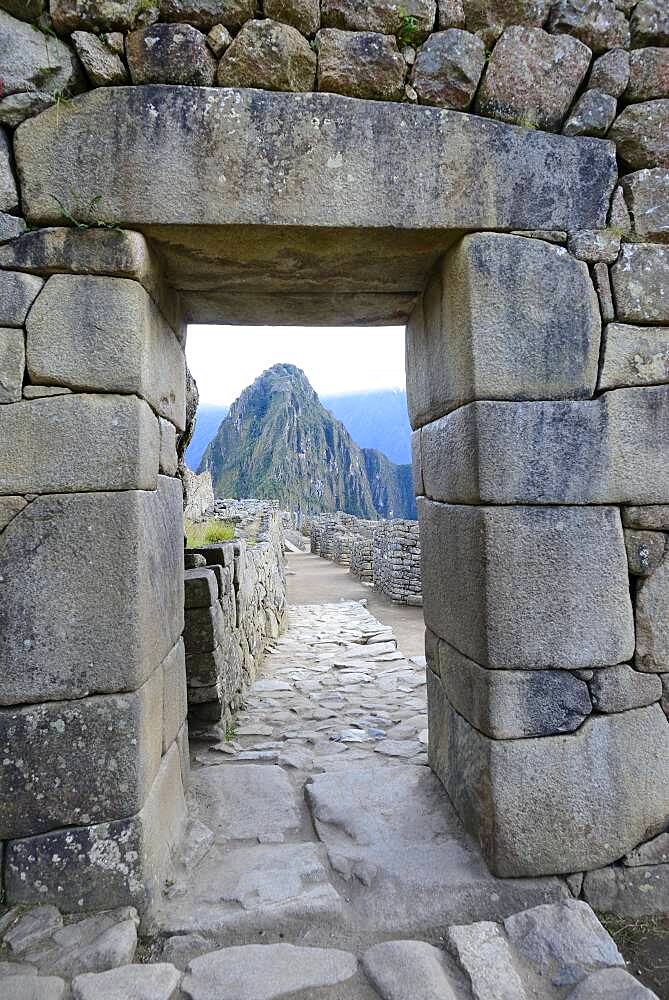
column 225, row 359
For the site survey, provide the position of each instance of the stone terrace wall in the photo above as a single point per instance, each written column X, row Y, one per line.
column 235, row 605
column 396, row 561
column 385, row 553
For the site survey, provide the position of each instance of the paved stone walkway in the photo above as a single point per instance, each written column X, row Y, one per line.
column 323, row 861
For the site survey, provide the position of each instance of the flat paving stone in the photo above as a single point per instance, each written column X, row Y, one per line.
column 411, row 970
column 250, row 801
column 265, row 972
column 139, row 982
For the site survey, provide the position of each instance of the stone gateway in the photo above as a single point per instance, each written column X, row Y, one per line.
column 494, row 176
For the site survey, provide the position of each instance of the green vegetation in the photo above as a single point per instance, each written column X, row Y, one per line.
column 88, row 212
column 408, row 29
column 208, row 532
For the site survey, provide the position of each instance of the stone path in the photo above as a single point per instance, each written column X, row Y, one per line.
column 323, row 860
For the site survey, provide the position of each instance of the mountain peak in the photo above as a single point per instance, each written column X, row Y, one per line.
column 278, row 441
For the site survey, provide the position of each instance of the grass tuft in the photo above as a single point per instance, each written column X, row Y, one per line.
column 208, row 532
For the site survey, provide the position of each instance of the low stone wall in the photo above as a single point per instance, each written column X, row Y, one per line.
column 396, row 561
column 385, row 553
column 235, row 604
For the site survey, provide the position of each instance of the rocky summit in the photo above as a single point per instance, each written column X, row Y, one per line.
column 278, row 441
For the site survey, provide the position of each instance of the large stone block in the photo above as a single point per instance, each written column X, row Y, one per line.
column 619, row 688
column 9, row 198
column 651, row 612
column 641, row 283
column 32, row 61
column 170, row 53
column 629, row 892
column 448, row 68
column 504, row 318
column 12, row 364
column 361, row 64
column 382, row 16
column 647, row 197
column 106, row 334
column 65, row 763
column 91, row 592
column 556, row 804
column 219, row 152
column 513, row 704
column 597, row 23
column 108, row 864
column 268, row 55
column 532, row 78
column 641, row 135
column 612, row 449
column 527, row 588
column 74, row 443
column 634, row 355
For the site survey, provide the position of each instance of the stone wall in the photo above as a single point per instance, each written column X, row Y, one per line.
column 396, row 561
column 385, row 553
column 198, row 494
column 91, row 574
column 235, row 606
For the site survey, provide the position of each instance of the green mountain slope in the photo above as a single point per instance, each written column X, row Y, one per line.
column 278, row 441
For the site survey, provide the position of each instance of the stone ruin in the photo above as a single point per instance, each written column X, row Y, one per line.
column 496, row 176
column 384, row 553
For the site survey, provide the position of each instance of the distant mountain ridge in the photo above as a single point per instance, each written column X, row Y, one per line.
column 376, row 419
column 279, row 441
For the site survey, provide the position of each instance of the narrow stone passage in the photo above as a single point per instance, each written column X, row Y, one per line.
column 318, row 832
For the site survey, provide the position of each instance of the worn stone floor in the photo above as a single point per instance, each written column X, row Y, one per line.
column 323, row 861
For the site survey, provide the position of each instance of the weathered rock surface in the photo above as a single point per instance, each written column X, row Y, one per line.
column 647, row 197
column 33, row 988
column 652, row 621
column 158, row 981
column 565, row 941
column 381, row 16
column 619, row 688
column 107, row 864
column 95, row 944
column 168, row 460
column 269, row 55
column 96, row 15
column 9, row 508
column 72, row 443
column 463, row 337
column 103, row 66
column 512, row 704
column 532, row 78
column 170, row 53
column 611, row 72
column 649, row 24
column 640, row 282
column 484, row 954
column 448, row 68
column 516, row 574
column 597, row 23
column 409, row 970
column 9, row 199
column 450, row 14
column 653, row 852
column 32, row 61
column 10, row 227
column 634, row 355
column 640, row 134
column 17, row 294
column 489, row 18
column 649, row 74
column 106, row 335
column 607, row 983
column 305, row 15
column 361, row 64
column 647, row 518
column 593, row 114
column 645, row 550
column 12, row 364
column 92, row 637
column 44, row 744
column 562, row 796
column 628, row 892
column 32, row 928
column 201, row 588
column 205, row 14
column 218, row 39
column 609, row 446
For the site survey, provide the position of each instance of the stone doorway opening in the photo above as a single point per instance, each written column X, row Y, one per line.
column 248, row 207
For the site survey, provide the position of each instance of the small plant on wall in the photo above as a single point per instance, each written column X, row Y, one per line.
column 208, row 532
